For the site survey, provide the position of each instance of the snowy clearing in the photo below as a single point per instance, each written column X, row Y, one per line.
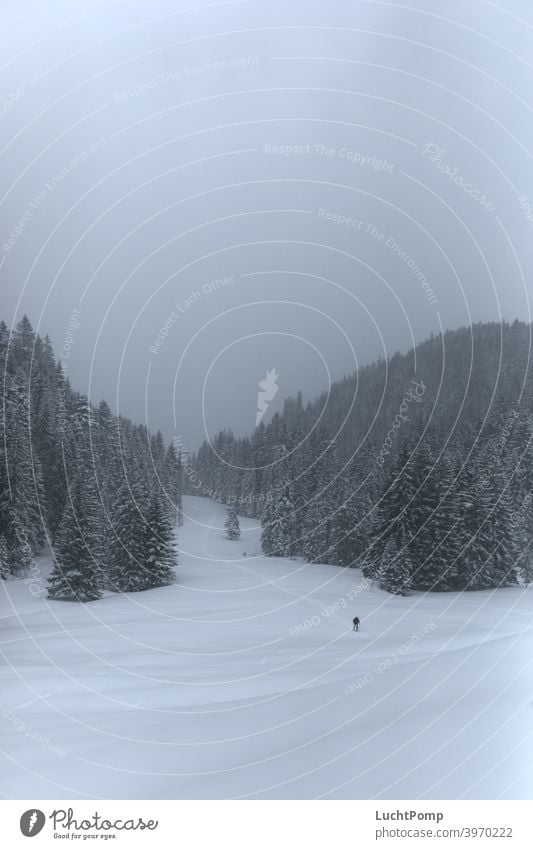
column 245, row 679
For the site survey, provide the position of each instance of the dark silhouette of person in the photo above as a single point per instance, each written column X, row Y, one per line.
column 356, row 623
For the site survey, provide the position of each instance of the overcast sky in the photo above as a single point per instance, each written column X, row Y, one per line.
column 225, row 188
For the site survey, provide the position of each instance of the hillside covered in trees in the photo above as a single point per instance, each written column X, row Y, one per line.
column 101, row 491
column 417, row 469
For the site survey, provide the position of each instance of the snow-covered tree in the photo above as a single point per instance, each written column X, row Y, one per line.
column 160, row 556
column 4, row 558
column 278, row 518
column 77, row 571
column 233, row 530
column 392, row 519
column 172, row 480
column 503, row 529
column 352, row 518
column 487, row 529
column 276, row 523
column 526, row 568
column 127, row 549
column 395, row 569
column 316, row 499
column 23, row 498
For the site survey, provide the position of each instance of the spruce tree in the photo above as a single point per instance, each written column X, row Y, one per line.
column 503, row 530
column 4, row 558
column 473, row 569
column 352, row 519
column 278, row 534
column 107, row 456
column 344, row 533
column 160, row 556
column 488, row 529
column 24, row 493
column 318, row 503
column 315, row 537
column 523, row 516
column 77, row 572
column 276, row 523
column 233, row 530
column 439, row 572
column 127, row 549
column 391, row 518
column 172, row 482
column 395, row 570
column 23, row 344
column 433, row 513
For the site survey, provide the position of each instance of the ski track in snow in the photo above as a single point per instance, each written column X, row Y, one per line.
column 207, row 689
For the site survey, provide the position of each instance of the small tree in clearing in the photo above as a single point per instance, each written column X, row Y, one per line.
column 233, row 530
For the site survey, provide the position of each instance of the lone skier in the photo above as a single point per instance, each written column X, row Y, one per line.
column 356, row 623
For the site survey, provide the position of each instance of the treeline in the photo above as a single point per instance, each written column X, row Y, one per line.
column 418, row 470
column 103, row 492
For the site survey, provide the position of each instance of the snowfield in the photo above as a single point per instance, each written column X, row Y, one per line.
column 245, row 680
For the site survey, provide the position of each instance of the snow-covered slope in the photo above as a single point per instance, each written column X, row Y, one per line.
column 245, row 679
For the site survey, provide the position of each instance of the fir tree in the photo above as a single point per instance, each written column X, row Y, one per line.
column 488, row 531
column 23, row 344
column 277, row 531
column 352, row 519
column 395, row 570
column 76, row 574
column 233, row 530
column 392, row 519
column 526, row 567
column 24, row 494
column 160, row 556
column 277, row 519
column 523, row 537
column 127, row 550
column 433, row 513
column 4, row 558
column 345, row 535
column 317, row 504
column 503, row 531
column 472, row 569
column 172, row 481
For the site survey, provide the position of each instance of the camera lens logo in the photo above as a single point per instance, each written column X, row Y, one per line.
column 32, row 822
